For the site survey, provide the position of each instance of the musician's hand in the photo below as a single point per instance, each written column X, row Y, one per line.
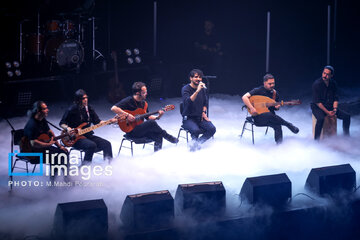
column 130, row 117
column 161, row 112
column 331, row 113
column 277, row 106
column 51, row 142
column 64, row 149
column 253, row 111
column 205, row 117
column 200, row 86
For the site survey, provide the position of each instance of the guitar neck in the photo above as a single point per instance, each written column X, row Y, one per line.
column 282, row 103
column 142, row 116
column 86, row 130
column 60, row 136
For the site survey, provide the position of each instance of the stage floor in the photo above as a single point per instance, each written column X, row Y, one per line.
column 29, row 210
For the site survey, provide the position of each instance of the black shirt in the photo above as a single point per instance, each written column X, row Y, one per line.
column 75, row 115
column 193, row 109
column 262, row 91
column 34, row 128
column 324, row 94
column 130, row 104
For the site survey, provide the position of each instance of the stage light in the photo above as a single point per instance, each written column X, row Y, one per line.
column 138, row 59
column 16, row 64
column 130, row 61
column 8, row 65
column 18, row 72
column 136, row 51
column 128, row 52
column 10, row 73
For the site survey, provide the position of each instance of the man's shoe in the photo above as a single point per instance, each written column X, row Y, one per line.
column 293, row 128
column 170, row 138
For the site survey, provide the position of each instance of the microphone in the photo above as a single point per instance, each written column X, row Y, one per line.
column 204, row 86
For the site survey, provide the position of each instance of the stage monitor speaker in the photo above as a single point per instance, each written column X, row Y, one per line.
column 81, row 220
column 273, row 190
column 200, row 199
column 147, row 211
column 331, row 180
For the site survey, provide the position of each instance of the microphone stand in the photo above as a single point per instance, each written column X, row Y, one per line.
column 208, row 90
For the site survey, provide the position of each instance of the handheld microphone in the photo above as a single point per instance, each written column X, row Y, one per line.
column 204, row 86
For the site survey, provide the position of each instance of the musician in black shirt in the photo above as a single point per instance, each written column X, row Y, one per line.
column 149, row 128
column 325, row 102
column 80, row 112
column 268, row 118
column 195, row 103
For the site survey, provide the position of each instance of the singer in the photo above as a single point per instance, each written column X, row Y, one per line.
column 195, row 103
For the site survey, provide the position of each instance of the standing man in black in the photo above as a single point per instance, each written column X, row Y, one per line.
column 149, row 128
column 195, row 102
column 325, row 102
column 78, row 113
column 268, row 118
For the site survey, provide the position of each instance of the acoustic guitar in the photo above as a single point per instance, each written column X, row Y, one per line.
column 116, row 90
column 139, row 114
column 71, row 139
column 262, row 103
column 26, row 147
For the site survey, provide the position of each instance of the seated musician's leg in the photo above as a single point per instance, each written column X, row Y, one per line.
column 193, row 127
column 320, row 117
column 103, row 145
column 271, row 120
column 346, row 120
column 208, row 130
column 87, row 146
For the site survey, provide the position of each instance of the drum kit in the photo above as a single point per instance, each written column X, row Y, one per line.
column 57, row 42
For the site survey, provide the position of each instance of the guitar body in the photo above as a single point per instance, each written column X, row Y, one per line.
column 127, row 126
column 260, row 103
column 70, row 140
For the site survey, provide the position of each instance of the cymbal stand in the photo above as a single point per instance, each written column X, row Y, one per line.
column 95, row 53
column 38, row 39
column 20, row 42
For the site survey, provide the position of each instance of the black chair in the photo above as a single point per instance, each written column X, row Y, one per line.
column 250, row 120
column 182, row 128
column 143, row 140
column 16, row 136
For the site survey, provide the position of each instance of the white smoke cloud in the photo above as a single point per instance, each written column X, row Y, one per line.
column 227, row 158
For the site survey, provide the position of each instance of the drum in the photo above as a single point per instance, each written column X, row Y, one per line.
column 35, row 44
column 68, row 54
column 53, row 27
column 69, row 28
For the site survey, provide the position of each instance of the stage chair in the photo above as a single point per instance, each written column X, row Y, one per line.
column 249, row 120
column 16, row 136
column 143, row 140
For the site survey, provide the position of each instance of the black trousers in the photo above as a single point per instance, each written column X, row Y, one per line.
column 149, row 129
column 320, row 116
column 92, row 144
column 272, row 120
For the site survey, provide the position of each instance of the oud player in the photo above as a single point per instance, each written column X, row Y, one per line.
column 269, row 119
column 81, row 112
column 129, row 106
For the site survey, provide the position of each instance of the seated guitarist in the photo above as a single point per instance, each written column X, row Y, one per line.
column 36, row 126
column 78, row 113
column 149, row 128
column 268, row 118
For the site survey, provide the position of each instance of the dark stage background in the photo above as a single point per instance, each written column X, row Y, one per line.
column 298, row 44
